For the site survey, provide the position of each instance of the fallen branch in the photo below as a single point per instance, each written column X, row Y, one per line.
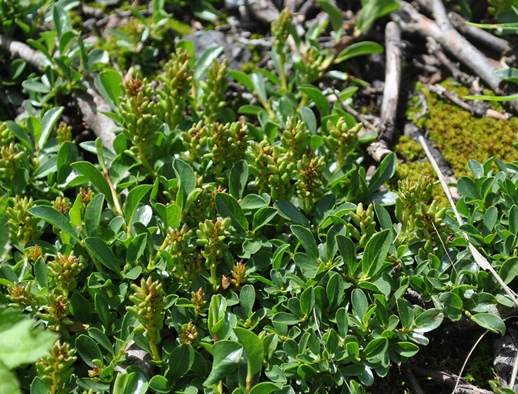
column 90, row 102
column 443, row 32
column 482, row 109
column 482, row 36
column 378, row 150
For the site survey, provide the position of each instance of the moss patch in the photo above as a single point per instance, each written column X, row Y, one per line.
column 460, row 136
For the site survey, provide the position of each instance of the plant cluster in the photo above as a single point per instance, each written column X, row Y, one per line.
column 211, row 254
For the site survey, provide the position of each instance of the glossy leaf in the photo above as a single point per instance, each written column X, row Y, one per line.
column 133, row 382
column 358, row 49
column 206, row 59
column 187, row 181
column 317, row 97
column 254, row 350
column 265, row 388
column 290, row 212
column 306, row 239
column 103, row 253
column 109, row 85
column 490, row 322
column 372, row 10
column 376, row 252
column 238, row 179
column 96, row 177
column 181, row 361
column 229, row 207
column 47, row 124
column 227, row 355
column 134, row 197
column 384, row 172
column 93, row 214
column 56, row 218
column 88, row 349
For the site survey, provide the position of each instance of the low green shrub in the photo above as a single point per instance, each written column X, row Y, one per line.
column 209, row 254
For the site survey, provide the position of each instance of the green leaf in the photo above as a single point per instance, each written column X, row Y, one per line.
column 238, row 179
column 38, row 386
column 20, row 344
column 358, row 49
column 490, row 322
column 47, row 124
column 249, row 109
column 242, row 78
column 103, row 253
column 67, row 154
column 40, row 273
column 134, row 383
column 309, row 119
column 35, row 86
column 335, row 15
column 96, row 177
column 56, row 218
column 468, row 188
column 80, row 308
column 109, row 85
column 265, row 388
column 452, row 305
column 375, row 349
column 103, row 310
column 405, row 349
column 317, row 97
column 507, row 74
column 372, row 10
column 21, row 134
column 227, row 355
column 134, row 197
column 342, row 321
column 306, row 239
column 384, row 172
column 348, row 253
column 285, row 318
column 262, row 217
column 93, row 214
column 307, row 264
column 229, row 207
column 206, row 59
column 376, row 252
column 187, row 181
column 9, row 383
column 174, row 215
column 247, row 299
column 406, row 315
column 180, row 361
column 290, row 212
column 61, row 20
column 489, row 98
column 253, row 349
column 259, row 86
column 335, row 290
column 513, row 219
column 359, row 303
column 509, row 269
column 101, row 338
column 253, row 201
column 88, row 349
column 159, row 384
column 428, row 320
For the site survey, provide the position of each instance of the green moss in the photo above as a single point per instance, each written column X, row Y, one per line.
column 460, row 136
column 410, row 149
